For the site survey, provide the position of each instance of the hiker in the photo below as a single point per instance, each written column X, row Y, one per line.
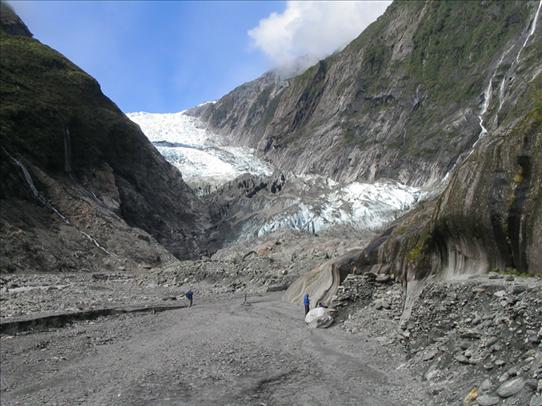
column 306, row 302
column 189, row 295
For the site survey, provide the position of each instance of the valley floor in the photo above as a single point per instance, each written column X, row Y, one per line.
column 221, row 352
column 481, row 335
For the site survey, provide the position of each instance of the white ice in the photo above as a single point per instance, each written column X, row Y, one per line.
column 363, row 206
column 199, row 153
column 203, row 158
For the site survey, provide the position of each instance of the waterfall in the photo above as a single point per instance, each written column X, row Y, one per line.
column 502, row 87
column 487, row 98
column 483, row 130
column 39, row 197
column 93, row 240
column 29, row 181
column 35, row 193
column 485, row 105
column 67, row 151
column 531, row 31
column 488, row 94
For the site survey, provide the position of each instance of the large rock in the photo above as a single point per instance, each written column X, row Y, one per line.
column 320, row 317
column 511, row 387
column 322, row 282
column 488, row 400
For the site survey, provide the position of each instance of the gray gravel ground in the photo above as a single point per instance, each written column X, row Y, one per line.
column 216, row 353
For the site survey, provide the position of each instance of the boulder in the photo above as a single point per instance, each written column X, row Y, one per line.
column 487, row 400
column 511, row 387
column 320, row 317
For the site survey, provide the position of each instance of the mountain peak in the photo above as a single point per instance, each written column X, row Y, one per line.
column 10, row 23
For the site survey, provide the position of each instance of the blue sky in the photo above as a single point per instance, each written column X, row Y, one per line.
column 154, row 56
column 166, row 56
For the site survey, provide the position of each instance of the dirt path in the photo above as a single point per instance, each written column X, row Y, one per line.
column 219, row 353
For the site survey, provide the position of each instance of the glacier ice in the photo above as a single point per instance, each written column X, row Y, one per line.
column 313, row 203
column 200, row 154
column 323, row 203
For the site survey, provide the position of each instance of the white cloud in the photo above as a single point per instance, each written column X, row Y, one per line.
column 310, row 30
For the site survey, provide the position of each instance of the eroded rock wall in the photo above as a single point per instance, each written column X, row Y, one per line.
column 488, row 218
column 401, row 101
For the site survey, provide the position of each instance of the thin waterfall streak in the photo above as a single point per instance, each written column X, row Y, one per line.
column 503, row 83
column 96, row 243
column 35, row 193
column 531, row 31
column 39, row 197
column 483, row 130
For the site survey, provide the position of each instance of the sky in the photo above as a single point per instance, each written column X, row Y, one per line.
column 166, row 56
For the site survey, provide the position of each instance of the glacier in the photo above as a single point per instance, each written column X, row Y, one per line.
column 321, row 203
column 201, row 156
column 310, row 203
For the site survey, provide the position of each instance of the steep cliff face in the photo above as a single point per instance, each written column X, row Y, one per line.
column 488, row 218
column 489, row 215
column 435, row 94
column 76, row 172
column 401, row 101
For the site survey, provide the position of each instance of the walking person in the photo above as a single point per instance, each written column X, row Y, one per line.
column 189, row 295
column 306, row 302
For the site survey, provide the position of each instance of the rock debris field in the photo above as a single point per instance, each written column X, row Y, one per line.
column 468, row 342
column 221, row 352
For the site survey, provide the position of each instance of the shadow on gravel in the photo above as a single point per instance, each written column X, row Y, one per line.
column 47, row 321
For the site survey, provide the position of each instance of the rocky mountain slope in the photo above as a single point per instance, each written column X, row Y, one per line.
column 404, row 100
column 81, row 185
column 490, row 213
column 434, row 94
column 488, row 217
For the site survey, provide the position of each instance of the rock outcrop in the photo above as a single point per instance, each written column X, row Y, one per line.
column 322, row 282
column 434, row 94
column 81, row 185
column 489, row 217
column 402, row 101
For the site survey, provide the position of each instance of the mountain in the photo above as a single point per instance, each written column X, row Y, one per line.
column 488, row 218
column 434, row 100
column 249, row 198
column 81, row 185
column 402, row 101
column 433, row 94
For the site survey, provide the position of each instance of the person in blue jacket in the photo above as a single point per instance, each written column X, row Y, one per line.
column 306, row 302
column 189, row 295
